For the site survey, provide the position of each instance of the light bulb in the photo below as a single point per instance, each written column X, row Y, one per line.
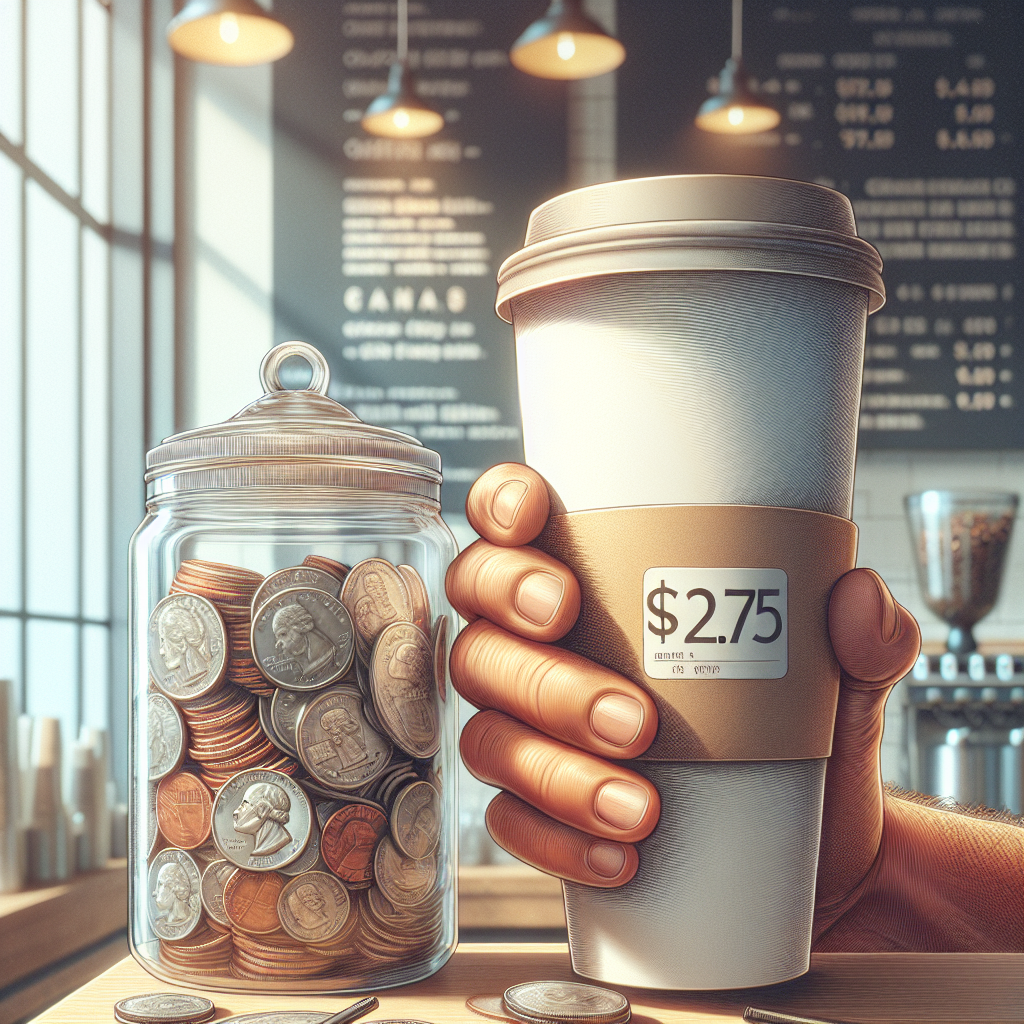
column 566, row 46
column 401, row 119
column 735, row 115
column 229, row 28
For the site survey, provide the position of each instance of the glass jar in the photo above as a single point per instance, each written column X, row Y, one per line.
column 293, row 805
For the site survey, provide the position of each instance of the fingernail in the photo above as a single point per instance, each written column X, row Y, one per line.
column 617, row 718
column 539, row 596
column 889, row 619
column 606, row 859
column 621, row 804
column 506, row 501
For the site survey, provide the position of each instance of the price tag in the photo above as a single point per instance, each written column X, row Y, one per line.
column 729, row 623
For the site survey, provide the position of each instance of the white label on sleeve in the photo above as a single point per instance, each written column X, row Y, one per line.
column 729, row 623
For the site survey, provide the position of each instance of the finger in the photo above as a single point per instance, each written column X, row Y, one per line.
column 556, row 848
column 570, row 786
column 558, row 692
column 523, row 590
column 508, row 505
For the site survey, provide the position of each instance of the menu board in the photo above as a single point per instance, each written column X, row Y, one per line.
column 915, row 111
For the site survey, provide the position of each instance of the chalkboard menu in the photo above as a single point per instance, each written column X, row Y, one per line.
column 386, row 250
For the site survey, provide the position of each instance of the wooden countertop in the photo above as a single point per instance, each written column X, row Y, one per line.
column 897, row 988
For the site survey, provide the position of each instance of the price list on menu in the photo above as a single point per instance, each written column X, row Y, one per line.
column 916, row 113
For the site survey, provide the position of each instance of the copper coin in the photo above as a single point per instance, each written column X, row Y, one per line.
column 375, row 595
column 187, row 646
column 417, row 595
column 489, row 1006
column 313, row 907
column 416, row 820
column 175, row 907
column 349, row 841
column 404, row 692
column 184, row 806
column 250, row 900
column 403, row 880
column 335, row 568
column 305, row 576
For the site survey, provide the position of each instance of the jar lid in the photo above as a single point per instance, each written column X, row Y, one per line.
column 293, row 438
column 692, row 222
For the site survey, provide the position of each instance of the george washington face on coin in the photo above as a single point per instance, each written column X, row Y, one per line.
column 172, row 895
column 296, row 635
column 263, row 813
column 184, row 647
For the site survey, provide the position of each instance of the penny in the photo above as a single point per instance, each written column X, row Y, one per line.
column 303, row 639
column 304, row 576
column 403, row 880
column 183, row 810
column 417, row 595
column 187, row 646
column 349, row 840
column 376, row 595
column 439, row 641
column 335, row 568
column 402, row 679
column 566, row 1001
column 416, row 820
column 336, row 744
column 211, row 889
column 285, row 709
column 175, row 907
column 261, row 820
column 166, row 737
column 489, row 1006
column 313, row 907
column 164, row 1008
column 250, row 900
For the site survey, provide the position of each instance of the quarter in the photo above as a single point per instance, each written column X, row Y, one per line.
column 416, row 820
column 166, row 737
column 175, row 907
column 285, row 709
column 556, row 1001
column 313, row 907
column 404, row 693
column 403, row 880
column 164, row 1008
column 187, row 646
column 305, row 576
column 211, row 889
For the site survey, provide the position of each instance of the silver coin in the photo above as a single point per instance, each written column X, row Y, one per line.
column 439, row 641
column 285, row 708
column 165, row 1008
column 313, row 907
column 302, row 639
column 278, row 1017
column 416, row 820
column 566, row 1001
column 376, row 595
column 403, row 880
column 261, row 820
column 404, row 694
column 267, row 725
column 310, row 856
column 211, row 889
column 152, row 827
column 187, row 646
column 304, row 576
column 166, row 735
column 336, row 744
column 175, row 906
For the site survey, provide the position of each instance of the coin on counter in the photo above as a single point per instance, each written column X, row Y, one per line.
column 261, row 819
column 418, row 597
column 439, row 642
column 303, row 576
column 279, row 1017
column 376, row 595
column 303, row 639
column 489, row 1006
column 184, row 808
column 404, row 693
column 187, row 646
column 166, row 737
column 250, row 900
column 336, row 744
column 566, row 1001
column 403, row 880
column 164, row 1008
column 313, row 907
column 349, row 840
column 416, row 820
column 211, row 889
column 175, row 906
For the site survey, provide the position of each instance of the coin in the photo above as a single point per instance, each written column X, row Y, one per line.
column 349, row 840
column 175, row 907
column 302, row 639
column 211, row 889
column 152, row 826
column 164, row 1008
column 303, row 576
column 313, row 907
column 278, row 1017
column 309, row 857
column 166, row 737
column 336, row 744
column 267, row 724
column 402, row 679
column 261, row 819
column 439, row 641
column 489, row 1006
column 417, row 595
column 250, row 900
column 376, row 595
column 183, row 810
column 403, row 880
column 285, row 709
column 187, row 646
column 416, row 820
column 335, row 568
column 566, row 1001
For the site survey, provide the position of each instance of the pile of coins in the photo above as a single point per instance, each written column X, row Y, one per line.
column 294, row 728
column 164, row 1008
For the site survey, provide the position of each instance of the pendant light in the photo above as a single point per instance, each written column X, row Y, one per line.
column 231, row 32
column 399, row 113
column 735, row 110
column 565, row 43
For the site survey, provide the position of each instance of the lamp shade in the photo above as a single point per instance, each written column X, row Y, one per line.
column 566, row 44
column 232, row 32
column 399, row 113
column 735, row 110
